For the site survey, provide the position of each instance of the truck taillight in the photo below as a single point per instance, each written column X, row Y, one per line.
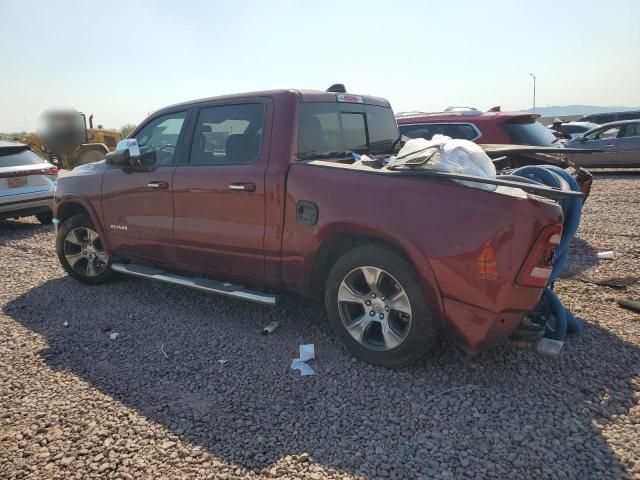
column 536, row 270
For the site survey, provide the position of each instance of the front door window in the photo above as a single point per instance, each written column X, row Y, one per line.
column 158, row 139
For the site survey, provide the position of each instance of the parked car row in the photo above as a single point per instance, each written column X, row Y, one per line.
column 21, row 194
column 619, row 141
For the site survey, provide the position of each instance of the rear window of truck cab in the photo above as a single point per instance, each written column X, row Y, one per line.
column 336, row 128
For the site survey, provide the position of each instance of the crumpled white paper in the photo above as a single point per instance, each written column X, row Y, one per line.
column 307, row 352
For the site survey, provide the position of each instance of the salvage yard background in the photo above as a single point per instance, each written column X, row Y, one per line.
column 157, row 403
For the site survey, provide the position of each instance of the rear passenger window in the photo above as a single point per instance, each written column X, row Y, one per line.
column 228, row 135
column 631, row 130
column 463, row 131
column 426, row 131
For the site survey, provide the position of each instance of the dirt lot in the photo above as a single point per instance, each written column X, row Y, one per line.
column 157, row 403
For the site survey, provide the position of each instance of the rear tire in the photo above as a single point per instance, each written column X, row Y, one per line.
column 81, row 251
column 45, row 218
column 376, row 307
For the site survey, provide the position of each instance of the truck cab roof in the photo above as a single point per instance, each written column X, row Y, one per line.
column 282, row 94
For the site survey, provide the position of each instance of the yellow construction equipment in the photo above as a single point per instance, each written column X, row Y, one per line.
column 64, row 139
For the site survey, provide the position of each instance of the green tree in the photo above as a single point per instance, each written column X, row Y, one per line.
column 127, row 129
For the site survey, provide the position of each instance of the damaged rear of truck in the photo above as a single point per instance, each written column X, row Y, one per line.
column 482, row 258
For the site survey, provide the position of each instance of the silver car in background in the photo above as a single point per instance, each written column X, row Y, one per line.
column 619, row 143
column 26, row 183
column 573, row 129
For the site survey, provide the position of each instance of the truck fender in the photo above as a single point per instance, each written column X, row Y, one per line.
column 388, row 236
column 84, row 204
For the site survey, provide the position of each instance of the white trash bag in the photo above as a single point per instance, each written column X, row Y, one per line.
column 444, row 154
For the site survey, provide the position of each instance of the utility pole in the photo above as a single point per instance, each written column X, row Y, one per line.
column 534, row 91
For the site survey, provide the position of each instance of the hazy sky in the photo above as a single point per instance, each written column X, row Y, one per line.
column 122, row 60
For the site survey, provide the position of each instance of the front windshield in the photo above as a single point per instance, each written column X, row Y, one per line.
column 335, row 129
column 529, row 132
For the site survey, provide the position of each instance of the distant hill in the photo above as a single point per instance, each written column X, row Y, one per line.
column 577, row 110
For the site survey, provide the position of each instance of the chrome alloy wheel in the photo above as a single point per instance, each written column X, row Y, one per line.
column 84, row 252
column 374, row 308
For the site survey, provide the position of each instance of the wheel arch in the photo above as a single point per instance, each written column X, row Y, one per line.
column 68, row 207
column 336, row 241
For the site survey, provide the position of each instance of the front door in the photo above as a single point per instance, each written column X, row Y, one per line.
column 137, row 201
column 219, row 193
column 605, row 140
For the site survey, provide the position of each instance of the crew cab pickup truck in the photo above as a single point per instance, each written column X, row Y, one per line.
column 246, row 195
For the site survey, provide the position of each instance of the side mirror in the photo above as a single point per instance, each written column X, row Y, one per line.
column 126, row 151
column 118, row 157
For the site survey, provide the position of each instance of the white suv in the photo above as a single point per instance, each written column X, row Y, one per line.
column 26, row 183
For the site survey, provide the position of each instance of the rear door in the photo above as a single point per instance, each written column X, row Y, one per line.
column 219, row 190
column 629, row 145
column 137, row 202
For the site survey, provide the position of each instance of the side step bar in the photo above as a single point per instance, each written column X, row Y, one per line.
column 204, row 284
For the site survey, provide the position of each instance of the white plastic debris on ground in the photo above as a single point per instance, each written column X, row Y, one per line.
column 444, row 154
column 307, row 352
column 608, row 255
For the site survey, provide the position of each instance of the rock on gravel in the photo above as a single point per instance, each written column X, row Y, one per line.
column 157, row 404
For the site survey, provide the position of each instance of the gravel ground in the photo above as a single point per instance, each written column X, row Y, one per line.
column 157, row 403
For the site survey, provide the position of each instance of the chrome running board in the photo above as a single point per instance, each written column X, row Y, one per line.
column 204, row 284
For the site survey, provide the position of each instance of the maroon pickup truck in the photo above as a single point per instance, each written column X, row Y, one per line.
column 245, row 195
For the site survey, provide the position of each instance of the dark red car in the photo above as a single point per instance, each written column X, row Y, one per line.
column 244, row 195
column 491, row 127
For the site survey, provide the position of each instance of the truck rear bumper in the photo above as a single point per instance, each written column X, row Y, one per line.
column 478, row 329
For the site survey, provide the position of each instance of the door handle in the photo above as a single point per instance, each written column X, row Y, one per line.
column 244, row 187
column 609, row 145
column 158, row 185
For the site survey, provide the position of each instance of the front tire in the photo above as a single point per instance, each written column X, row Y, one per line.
column 81, row 251
column 376, row 307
